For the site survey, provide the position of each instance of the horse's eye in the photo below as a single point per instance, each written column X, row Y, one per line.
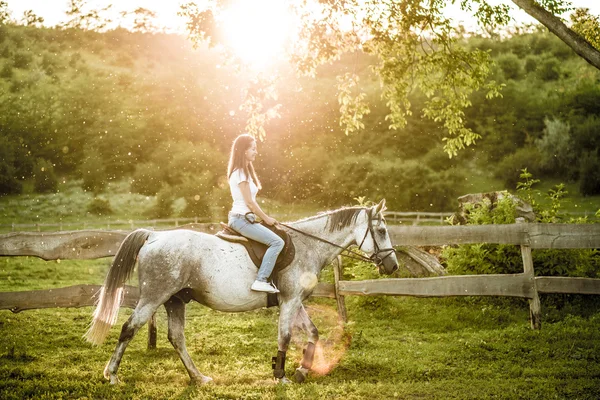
column 381, row 231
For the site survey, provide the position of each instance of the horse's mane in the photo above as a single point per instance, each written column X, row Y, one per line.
column 337, row 219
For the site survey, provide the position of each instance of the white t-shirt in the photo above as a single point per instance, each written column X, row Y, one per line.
column 239, row 205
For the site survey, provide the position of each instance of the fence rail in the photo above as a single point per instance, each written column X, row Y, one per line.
column 395, row 217
column 98, row 243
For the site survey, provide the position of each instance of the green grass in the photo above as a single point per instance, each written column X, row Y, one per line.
column 392, row 348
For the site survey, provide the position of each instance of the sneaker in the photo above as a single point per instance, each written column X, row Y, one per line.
column 260, row 286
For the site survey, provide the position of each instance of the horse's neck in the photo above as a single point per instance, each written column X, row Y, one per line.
column 325, row 252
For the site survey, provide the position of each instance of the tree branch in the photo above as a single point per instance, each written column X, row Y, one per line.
column 562, row 31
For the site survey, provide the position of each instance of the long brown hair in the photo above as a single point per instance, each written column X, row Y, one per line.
column 237, row 158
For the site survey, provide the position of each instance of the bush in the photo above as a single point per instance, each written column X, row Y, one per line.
column 506, row 259
column 511, row 166
column 404, row 184
column 22, row 59
column 93, row 172
column 549, row 70
column 589, row 183
column 556, row 148
column 196, row 190
column 531, row 64
column 163, row 207
column 9, row 168
column 511, row 65
column 45, row 180
column 7, row 71
column 147, row 179
column 99, row 206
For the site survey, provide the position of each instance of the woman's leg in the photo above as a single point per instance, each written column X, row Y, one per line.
column 265, row 236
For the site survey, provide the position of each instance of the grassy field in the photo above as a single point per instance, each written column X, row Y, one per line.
column 392, row 348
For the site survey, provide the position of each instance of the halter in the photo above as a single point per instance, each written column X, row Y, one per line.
column 374, row 258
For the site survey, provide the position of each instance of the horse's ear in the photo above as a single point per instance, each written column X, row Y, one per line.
column 380, row 207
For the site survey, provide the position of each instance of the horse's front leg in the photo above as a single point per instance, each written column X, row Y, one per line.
column 305, row 323
column 287, row 314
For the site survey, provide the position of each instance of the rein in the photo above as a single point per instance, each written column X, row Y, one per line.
column 374, row 258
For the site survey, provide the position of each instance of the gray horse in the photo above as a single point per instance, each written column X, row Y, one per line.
column 179, row 265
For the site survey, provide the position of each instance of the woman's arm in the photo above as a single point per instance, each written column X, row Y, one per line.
column 253, row 205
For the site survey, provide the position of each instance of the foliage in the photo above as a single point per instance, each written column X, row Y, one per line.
column 549, row 70
column 511, row 66
column 196, row 190
column 93, row 172
column 556, row 148
column 510, row 167
column 506, row 259
column 590, row 179
column 99, row 206
column 163, row 206
column 168, row 107
column 9, row 178
column 45, row 179
column 147, row 178
column 587, row 25
column 414, row 186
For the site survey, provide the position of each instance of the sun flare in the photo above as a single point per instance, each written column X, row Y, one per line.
column 258, row 31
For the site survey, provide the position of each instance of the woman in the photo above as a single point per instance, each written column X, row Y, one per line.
column 244, row 185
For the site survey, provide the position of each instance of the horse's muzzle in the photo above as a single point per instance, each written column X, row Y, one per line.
column 387, row 270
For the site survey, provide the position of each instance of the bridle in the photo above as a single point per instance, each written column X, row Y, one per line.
column 373, row 258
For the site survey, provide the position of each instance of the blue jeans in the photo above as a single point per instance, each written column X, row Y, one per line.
column 262, row 235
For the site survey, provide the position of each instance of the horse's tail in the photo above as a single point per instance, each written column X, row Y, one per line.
column 111, row 293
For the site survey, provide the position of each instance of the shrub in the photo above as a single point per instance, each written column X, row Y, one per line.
column 45, row 180
column 531, row 64
column 163, row 207
column 511, row 65
column 99, row 206
column 93, row 172
column 589, row 183
column 9, row 183
column 196, row 190
column 511, row 166
column 506, row 259
column 7, row 71
column 557, row 155
column 22, row 59
column 585, row 133
column 549, row 70
column 147, row 179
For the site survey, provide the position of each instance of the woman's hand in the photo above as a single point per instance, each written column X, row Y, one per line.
column 269, row 221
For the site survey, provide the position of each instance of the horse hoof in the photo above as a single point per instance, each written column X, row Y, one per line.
column 201, row 380
column 112, row 378
column 300, row 374
column 284, row 381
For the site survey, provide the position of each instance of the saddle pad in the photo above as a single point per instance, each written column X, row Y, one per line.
column 257, row 250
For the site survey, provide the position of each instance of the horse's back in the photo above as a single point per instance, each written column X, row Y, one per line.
column 217, row 273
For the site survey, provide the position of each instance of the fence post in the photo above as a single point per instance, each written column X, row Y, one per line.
column 337, row 275
column 535, row 307
column 152, row 332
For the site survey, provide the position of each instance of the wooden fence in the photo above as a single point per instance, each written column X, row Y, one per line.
column 395, row 217
column 99, row 243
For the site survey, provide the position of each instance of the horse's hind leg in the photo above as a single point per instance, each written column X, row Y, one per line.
column 304, row 322
column 176, row 315
column 142, row 313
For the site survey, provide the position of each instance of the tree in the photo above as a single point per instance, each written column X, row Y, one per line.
column 4, row 13
column 416, row 47
column 81, row 17
column 31, row 19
